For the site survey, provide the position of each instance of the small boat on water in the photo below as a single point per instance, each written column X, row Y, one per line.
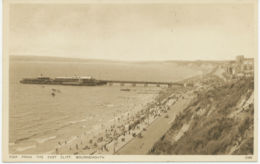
column 125, row 89
column 56, row 90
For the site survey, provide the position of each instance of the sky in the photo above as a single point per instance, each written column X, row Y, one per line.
column 133, row 31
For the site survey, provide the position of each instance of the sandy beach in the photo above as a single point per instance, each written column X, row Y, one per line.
column 124, row 133
column 142, row 145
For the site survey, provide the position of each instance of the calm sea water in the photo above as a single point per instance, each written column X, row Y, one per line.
column 37, row 118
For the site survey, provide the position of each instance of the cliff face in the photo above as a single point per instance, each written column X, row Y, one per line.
column 219, row 121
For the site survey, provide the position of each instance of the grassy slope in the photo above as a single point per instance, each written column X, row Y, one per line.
column 219, row 121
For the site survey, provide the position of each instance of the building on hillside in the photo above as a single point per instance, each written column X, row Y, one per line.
column 241, row 67
column 245, row 66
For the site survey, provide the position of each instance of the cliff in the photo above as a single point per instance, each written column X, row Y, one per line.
column 218, row 121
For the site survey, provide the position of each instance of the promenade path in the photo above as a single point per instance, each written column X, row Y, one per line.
column 141, row 146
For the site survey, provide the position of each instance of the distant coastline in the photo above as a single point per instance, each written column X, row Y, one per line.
column 71, row 59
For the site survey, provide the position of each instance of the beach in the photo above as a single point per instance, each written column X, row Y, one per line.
column 42, row 126
column 117, row 135
column 144, row 144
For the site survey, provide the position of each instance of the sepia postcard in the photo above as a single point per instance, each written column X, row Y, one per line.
column 130, row 81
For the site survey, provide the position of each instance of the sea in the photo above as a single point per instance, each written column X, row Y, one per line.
column 37, row 118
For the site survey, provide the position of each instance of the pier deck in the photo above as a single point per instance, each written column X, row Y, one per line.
column 145, row 83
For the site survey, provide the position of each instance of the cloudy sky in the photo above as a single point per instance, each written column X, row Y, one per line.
column 133, row 31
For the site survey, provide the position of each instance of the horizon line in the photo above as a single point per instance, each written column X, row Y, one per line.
column 119, row 60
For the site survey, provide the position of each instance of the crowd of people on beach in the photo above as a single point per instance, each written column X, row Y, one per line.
column 115, row 135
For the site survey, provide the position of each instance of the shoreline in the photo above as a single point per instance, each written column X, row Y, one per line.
column 81, row 139
column 120, row 130
column 124, row 129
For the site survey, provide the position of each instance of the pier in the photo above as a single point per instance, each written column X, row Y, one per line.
column 90, row 81
column 144, row 83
